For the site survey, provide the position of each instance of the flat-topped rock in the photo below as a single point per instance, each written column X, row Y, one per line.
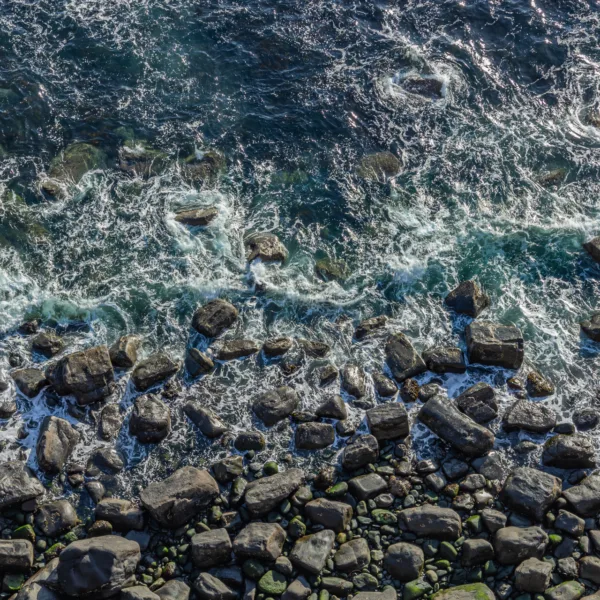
column 388, row 421
column 17, row 484
column 531, row 492
column 314, row 436
column 197, row 217
column 591, row 327
column 329, row 513
column 533, row 575
column 55, row 518
column 122, row 514
column 513, row 545
column 367, row 486
column 530, row 416
column 262, row 495
column 267, row 247
column 30, row 382
column 585, row 497
column 56, row 441
column 232, row 349
column 467, row 299
column 352, row 556
column 123, row 353
column 259, row 541
column 275, row 405
column 478, row 402
column 359, row 452
column 214, row 318
column 312, row 551
column 494, row 344
column 445, row 359
column 431, row 521
column 15, row 555
column 155, row 369
column 198, row 363
column 402, row 359
column 150, row 420
column 574, row 451
column 211, row 548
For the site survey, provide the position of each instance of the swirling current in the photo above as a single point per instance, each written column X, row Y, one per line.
column 499, row 181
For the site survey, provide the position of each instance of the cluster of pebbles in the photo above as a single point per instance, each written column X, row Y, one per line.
column 378, row 524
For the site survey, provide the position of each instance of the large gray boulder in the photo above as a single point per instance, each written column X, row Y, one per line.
column 467, row 299
column 179, row 497
column 533, row 575
column 29, row 382
column 87, row 374
column 312, row 551
column 211, row 548
column 56, row 441
column 574, row 451
column 404, row 562
column 360, row 451
column 461, row 432
column 352, row 556
column 329, row 513
column 98, row 567
column 275, row 405
column 431, row 521
column 259, row 541
column 55, row 518
column 155, row 369
column 585, row 497
column 494, row 344
column 174, row 590
column 122, row 514
column 530, row 416
column 402, row 359
column 204, row 419
column 15, row 555
column 262, row 495
column 445, row 359
column 214, row 317
column 513, row 545
column 267, row 247
column 388, row 421
column 150, row 420
column 111, row 420
column 314, row 436
column 17, row 484
column 531, row 492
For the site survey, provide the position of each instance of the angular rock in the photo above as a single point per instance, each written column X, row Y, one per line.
column 569, row 523
column 211, row 548
column 123, row 515
column 152, row 370
column 494, row 344
column 138, row 592
column 445, row 359
column 538, row 386
column 369, row 326
column 593, row 248
column 352, row 556
column 311, row 551
column 47, row 343
column 367, row 486
column 403, row 561
column 299, row 589
column 530, row 416
column 214, row 318
column 205, row 419
column 469, row 591
column 228, row 469
column 431, row 521
column 585, row 497
column 150, row 420
column 178, row 498
column 314, row 436
column 591, row 327
column 384, row 386
column 197, row 217
column 197, row 363
column 249, row 440
column 476, row 552
column 402, row 358
column 30, row 382
column 275, row 405
column 531, row 492
column 567, row 590
column 353, row 381
column 232, row 349
column 360, row 451
column 267, row 247
column 56, row 441
column 586, row 419
column 493, row 519
column 259, row 541
column 333, row 408
column 262, row 495
column 461, row 432
column 315, row 348
column 104, row 460
column 467, row 299
column 533, row 575
column 277, row 346
column 478, row 402
column 513, row 545
column 174, row 590
column 388, row 421
column 110, row 421
column 569, row 452
column 123, row 353
column 209, row 587
column 7, row 409
column 55, row 518
column 15, row 555
column 589, row 568
column 329, row 513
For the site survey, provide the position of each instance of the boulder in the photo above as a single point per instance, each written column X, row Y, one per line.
column 138, row 592
column 367, row 486
column 205, row 419
column 369, row 326
column 585, row 497
column 275, row 405
column 402, row 359
column 178, row 498
column 476, row 552
column 111, row 420
column 150, row 420
column 353, row 381
column 530, row 416
column 228, row 469
column 312, row 551
column 123, row 353
column 461, row 432
column 591, row 327
column 567, row 590
column 87, row 374
column 173, row 590
column 494, row 344
column 299, row 589
column 15, row 555
column 531, row 492
column 431, row 521
column 469, row 591
column 262, row 495
column 533, row 575
column 47, row 343
column 56, row 441
column 569, row 523
column 493, row 519
column 314, row 348
column 538, row 386
column 329, row 513
column 333, row 407
column 478, row 402
column 513, row 545
column 467, row 299
column 445, row 359
column 55, row 518
column 98, row 567
column 211, row 548
column 360, row 451
column 593, row 248
column 388, row 421
column 209, row 587
column 152, row 370
column 404, row 562
column 589, row 568
column 214, row 318
column 249, row 440
column 569, row 452
column 232, row 349
column 586, row 419
column 198, row 363
column 197, row 217
column 352, row 556
column 267, row 247
column 314, row 436
column 384, row 386
column 277, row 346
column 30, row 382
column 259, row 541
column 123, row 515
column 104, row 460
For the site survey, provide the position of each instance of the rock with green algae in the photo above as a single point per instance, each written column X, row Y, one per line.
column 21, row 221
column 272, row 583
column 384, row 517
column 331, row 270
column 204, row 167
column 380, row 167
column 13, row 582
column 470, row 591
column 567, row 590
column 416, row 589
column 25, row 532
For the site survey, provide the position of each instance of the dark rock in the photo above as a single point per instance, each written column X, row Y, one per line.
column 123, row 515
column 476, row 552
column 333, row 407
column 429, row 391
column 232, row 349
column 150, row 420
column 431, row 521
column 314, row 348
column 494, row 344
column 359, row 452
column 353, row 380
column 533, row 575
column 197, row 217
column 259, row 541
column 585, row 497
column 445, row 359
column 275, row 405
column 352, row 556
column 299, row 589
column 388, row 421
column 264, row 494
column 214, row 317
column 211, row 548
column 569, row 452
column 531, row 416
column 369, row 326
column 47, row 343
column 328, row 374
column 209, row 587
column 478, row 402
column 111, row 420
column 593, row 248
column 29, row 382
column 538, row 386
column 380, row 166
column 29, row 327
column 589, row 568
column 586, row 419
column 205, row 419
column 228, row 469
column 467, row 299
column 311, row 551
column 591, row 327
column 123, row 353
column 314, row 436
column 345, row 428
column 329, row 513
column 178, row 498
column 197, row 363
column 249, row 440
column 461, row 432
column 513, row 545
column 455, row 468
column 104, row 460
column 384, row 386
column 470, row 591
column 367, row 486
column 402, row 358
column 99, row 567
column 55, row 518
column 494, row 466
column 277, row 346
column 267, row 247
column 404, row 562
column 154, row 369
column 565, row 428
column 493, row 519
column 409, row 390
column 7, row 409
column 56, row 441
column 569, row 523
column 531, row 492
column 15, row 555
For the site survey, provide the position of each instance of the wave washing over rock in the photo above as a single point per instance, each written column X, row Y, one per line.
column 299, row 300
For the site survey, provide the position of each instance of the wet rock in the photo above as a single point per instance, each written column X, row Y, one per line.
column 589, row 568
column 150, row 420
column 345, row 428
column 47, row 343
column 214, row 317
column 110, row 421
column 98, row 567
column 468, row 299
column 333, row 407
column 29, row 382
column 569, row 452
column 476, row 552
column 431, row 521
column 428, row 87
column 359, row 452
column 174, row 590
column 402, row 358
column 369, row 326
column 409, row 390
column 493, row 519
column 56, row 441
column 568, row 590
column 492, row 466
column 533, row 575
column 205, row 419
column 209, row 587
column 211, row 548
column 154, row 369
column 35, row 591
column 314, row 348
column 531, row 492
column 585, row 497
column 197, row 363
column 314, row 436
column 277, row 346
column 259, row 541
column 204, row 167
column 299, row 589
column 87, row 374
column 367, row 486
column 454, row 468
column 264, row 494
column 104, row 460
column 513, row 545
column 123, row 353
column 591, row 326
column 311, row 551
column 380, row 166
column 478, row 402
column 267, row 247
column 96, row 490
column 138, row 158
column 538, row 386
column 7, row 409
column 15, row 555
column 429, row 391
column 232, row 349
column 55, row 518
column 445, row 359
column 384, row 386
column 569, row 523
column 228, row 469
column 353, row 380
column 179, row 497
column 586, row 419
column 352, row 556
column 494, row 344
column 123, row 515
column 249, row 440
column 197, row 217
column 329, row 513
column 470, row 591
column 329, row 269
column 593, row 248
column 275, row 405
column 530, row 416
column 461, row 432
column 404, row 562
column 388, row 421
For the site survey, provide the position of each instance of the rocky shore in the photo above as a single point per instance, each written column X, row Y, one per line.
column 377, row 524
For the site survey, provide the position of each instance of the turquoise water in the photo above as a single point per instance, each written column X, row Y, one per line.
column 499, row 179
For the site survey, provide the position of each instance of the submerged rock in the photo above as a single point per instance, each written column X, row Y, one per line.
column 380, row 166
column 467, row 299
column 55, row 443
column 388, row 421
column 123, row 353
column 150, row 420
column 478, row 402
column 214, row 318
column 493, row 344
column 591, row 326
column 154, row 369
column 369, row 326
column 332, row 270
column 204, row 167
column 197, row 217
column 267, row 247
column 402, row 358
column 315, row 348
column 569, row 452
column 428, row 87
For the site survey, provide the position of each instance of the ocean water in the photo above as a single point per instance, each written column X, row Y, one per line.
column 500, row 181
